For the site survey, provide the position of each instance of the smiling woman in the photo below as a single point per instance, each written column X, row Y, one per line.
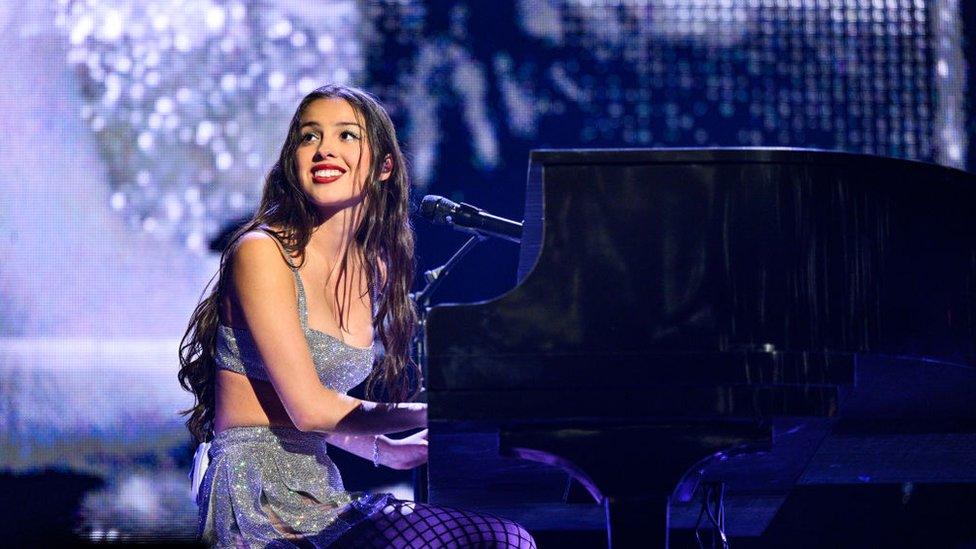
column 304, row 289
column 332, row 154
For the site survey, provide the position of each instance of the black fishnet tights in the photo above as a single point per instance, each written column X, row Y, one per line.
column 406, row 524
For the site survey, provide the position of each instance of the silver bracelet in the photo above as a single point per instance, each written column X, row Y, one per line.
column 376, row 451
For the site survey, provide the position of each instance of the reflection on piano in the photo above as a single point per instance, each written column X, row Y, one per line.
column 737, row 322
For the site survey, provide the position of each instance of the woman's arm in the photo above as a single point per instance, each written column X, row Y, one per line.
column 265, row 290
column 404, row 453
column 380, row 418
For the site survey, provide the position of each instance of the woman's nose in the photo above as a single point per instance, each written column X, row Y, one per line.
column 323, row 151
column 321, row 154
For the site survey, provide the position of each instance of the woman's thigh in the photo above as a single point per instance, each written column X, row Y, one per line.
column 410, row 524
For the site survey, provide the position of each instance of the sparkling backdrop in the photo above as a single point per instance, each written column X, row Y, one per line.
column 190, row 100
column 882, row 77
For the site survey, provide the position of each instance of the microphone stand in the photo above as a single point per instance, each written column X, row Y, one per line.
column 422, row 299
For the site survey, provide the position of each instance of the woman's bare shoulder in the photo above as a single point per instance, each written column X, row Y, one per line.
column 259, row 249
column 255, row 262
column 254, row 267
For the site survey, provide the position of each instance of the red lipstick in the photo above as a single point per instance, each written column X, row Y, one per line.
column 334, row 173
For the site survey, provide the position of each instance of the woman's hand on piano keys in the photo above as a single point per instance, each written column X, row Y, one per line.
column 404, row 453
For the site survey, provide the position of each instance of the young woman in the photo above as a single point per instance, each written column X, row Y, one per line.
column 311, row 299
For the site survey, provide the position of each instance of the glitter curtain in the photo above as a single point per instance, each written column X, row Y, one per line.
column 190, row 100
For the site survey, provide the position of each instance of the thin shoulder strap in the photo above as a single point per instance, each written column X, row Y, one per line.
column 299, row 287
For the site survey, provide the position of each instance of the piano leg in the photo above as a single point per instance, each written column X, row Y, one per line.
column 633, row 469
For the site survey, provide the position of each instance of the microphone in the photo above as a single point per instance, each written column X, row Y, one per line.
column 465, row 217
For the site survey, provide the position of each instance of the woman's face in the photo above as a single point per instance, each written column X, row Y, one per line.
column 333, row 156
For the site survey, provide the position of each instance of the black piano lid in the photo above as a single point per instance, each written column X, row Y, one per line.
column 802, row 255
column 716, row 154
column 538, row 158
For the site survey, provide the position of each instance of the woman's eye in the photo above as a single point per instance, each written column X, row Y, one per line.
column 348, row 136
column 309, row 136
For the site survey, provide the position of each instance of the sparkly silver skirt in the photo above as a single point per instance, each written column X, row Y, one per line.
column 271, row 486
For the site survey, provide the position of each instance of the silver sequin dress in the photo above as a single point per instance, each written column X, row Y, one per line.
column 271, row 486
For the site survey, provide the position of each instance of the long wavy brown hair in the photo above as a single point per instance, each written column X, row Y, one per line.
column 383, row 242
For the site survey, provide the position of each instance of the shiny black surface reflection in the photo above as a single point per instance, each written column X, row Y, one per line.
column 714, row 298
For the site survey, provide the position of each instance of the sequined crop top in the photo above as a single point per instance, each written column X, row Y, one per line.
column 339, row 366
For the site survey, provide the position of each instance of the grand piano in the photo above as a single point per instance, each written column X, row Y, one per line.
column 696, row 333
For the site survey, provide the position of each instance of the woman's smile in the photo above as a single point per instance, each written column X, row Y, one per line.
column 324, row 174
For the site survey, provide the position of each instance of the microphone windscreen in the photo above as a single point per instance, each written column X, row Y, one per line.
column 428, row 206
column 436, row 209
